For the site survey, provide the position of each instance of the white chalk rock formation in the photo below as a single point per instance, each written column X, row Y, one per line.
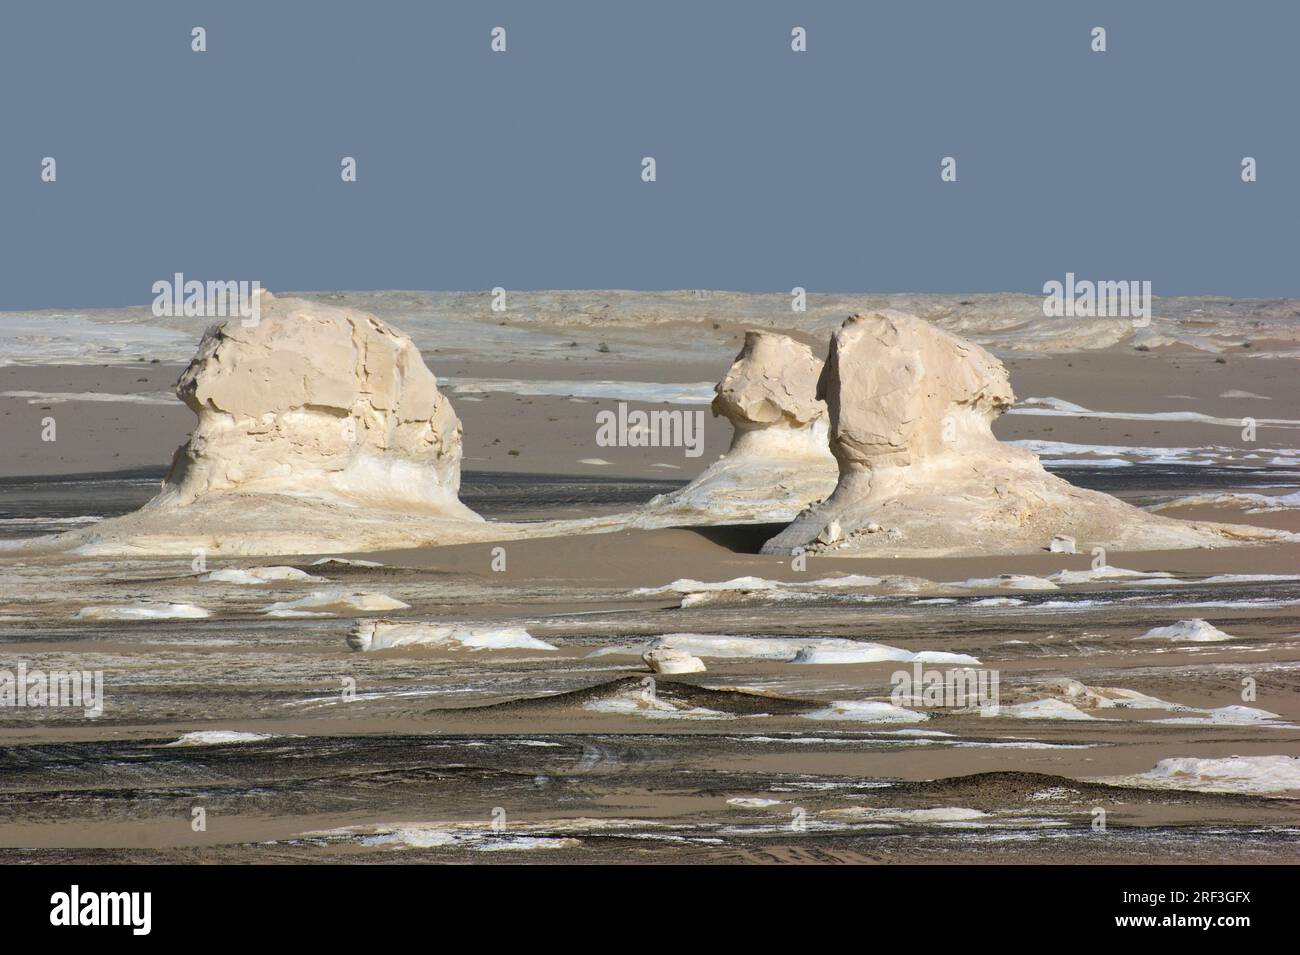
column 318, row 401
column 921, row 474
column 319, row 429
column 779, row 461
column 665, row 659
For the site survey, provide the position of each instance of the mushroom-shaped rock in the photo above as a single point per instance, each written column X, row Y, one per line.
column 778, row 461
column 771, row 390
column 921, row 473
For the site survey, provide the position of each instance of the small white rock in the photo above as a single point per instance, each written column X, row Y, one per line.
column 831, row 533
column 669, row 660
column 1062, row 545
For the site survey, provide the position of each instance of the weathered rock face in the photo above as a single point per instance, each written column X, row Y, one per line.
column 900, row 391
column 314, row 401
column 921, row 473
column 770, row 390
column 778, row 461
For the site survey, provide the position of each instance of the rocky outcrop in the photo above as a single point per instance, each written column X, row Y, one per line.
column 319, row 430
column 314, row 401
column 921, row 473
column 778, row 461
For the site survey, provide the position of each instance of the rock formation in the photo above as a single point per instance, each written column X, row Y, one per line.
column 666, row 659
column 921, row 474
column 319, row 429
column 316, row 401
column 778, row 461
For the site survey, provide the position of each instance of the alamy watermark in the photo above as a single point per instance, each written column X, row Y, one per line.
column 75, row 907
column 179, row 298
column 959, row 688
column 53, row 689
column 651, row 429
column 1083, row 298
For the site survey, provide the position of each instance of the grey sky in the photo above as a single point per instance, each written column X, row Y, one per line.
column 522, row 169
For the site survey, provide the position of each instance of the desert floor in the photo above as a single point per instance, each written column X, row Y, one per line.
column 569, row 754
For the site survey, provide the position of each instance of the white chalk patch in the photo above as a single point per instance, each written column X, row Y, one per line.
column 384, row 635
column 1048, row 709
column 1240, row 774
column 1187, row 631
column 866, row 711
column 1007, row 582
column 143, row 611
column 323, row 602
column 259, row 575
column 218, row 738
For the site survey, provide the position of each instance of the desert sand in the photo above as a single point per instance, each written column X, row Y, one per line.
column 508, row 673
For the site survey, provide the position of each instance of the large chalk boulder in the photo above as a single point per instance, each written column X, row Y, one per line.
column 316, row 401
column 921, row 474
column 320, row 430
